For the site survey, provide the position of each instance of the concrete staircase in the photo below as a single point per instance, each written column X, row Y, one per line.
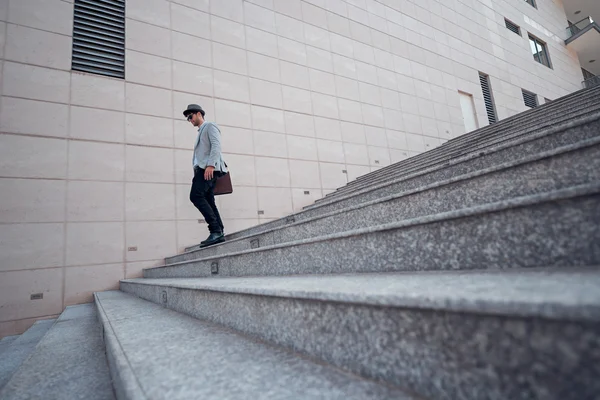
column 467, row 272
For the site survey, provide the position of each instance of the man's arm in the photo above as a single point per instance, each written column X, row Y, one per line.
column 214, row 136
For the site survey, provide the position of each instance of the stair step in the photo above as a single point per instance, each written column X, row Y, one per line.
column 557, row 169
column 5, row 342
column 497, row 334
column 540, row 142
column 68, row 363
column 161, row 354
column 18, row 351
column 549, row 229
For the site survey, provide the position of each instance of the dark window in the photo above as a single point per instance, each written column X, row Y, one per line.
column 512, row 27
column 486, row 88
column 531, row 3
column 539, row 51
column 99, row 37
column 530, row 99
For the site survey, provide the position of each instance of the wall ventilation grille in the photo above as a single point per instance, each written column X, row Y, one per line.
column 530, row 99
column 99, row 37
column 512, row 27
column 490, row 108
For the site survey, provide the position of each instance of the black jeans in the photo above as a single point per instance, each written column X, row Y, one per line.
column 204, row 199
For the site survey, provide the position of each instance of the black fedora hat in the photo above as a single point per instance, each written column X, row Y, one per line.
column 193, row 108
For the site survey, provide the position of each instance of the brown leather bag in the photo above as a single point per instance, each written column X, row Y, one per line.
column 223, row 185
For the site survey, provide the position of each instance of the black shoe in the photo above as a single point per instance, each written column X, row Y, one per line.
column 204, row 241
column 209, row 237
column 213, row 238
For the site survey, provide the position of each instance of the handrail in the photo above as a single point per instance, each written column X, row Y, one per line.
column 575, row 28
column 591, row 82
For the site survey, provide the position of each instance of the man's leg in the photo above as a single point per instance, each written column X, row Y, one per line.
column 198, row 196
column 210, row 198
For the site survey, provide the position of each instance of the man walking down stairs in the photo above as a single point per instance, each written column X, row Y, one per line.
column 208, row 165
column 470, row 271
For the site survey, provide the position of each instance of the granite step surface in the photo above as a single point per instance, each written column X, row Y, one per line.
column 536, row 119
column 541, row 142
column 68, row 363
column 157, row 353
column 557, row 169
column 18, row 351
column 587, row 126
column 484, row 334
column 558, row 228
column 5, row 342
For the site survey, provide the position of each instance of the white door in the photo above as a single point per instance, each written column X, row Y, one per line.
column 468, row 111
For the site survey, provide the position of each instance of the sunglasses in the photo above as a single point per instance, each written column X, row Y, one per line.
column 189, row 117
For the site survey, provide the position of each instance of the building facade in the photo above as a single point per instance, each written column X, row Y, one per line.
column 95, row 155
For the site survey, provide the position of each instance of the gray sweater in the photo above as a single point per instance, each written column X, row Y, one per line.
column 207, row 150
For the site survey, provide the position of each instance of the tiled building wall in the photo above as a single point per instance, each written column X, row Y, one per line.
column 91, row 167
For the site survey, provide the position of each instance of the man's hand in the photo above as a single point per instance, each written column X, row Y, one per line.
column 208, row 173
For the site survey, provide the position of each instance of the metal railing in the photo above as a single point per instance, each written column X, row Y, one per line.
column 577, row 27
column 591, row 82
